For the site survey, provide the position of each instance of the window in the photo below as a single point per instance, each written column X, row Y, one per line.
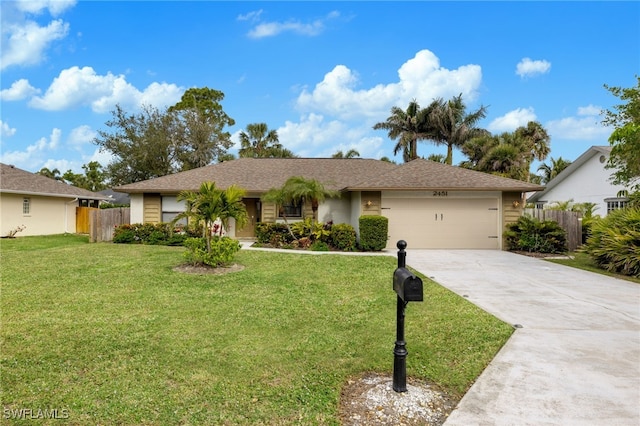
column 171, row 208
column 26, row 205
column 290, row 210
column 540, row 204
column 616, row 203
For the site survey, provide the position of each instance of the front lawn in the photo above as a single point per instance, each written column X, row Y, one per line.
column 112, row 335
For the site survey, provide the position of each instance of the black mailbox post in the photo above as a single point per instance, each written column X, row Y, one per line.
column 409, row 289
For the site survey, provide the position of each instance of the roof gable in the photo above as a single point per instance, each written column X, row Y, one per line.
column 571, row 168
column 17, row 181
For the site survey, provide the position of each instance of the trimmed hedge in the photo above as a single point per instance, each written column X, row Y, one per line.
column 343, row 237
column 374, row 232
column 614, row 243
column 154, row 234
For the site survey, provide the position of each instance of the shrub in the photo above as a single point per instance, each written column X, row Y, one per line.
column 314, row 230
column 223, row 250
column 530, row 234
column 343, row 237
column 148, row 233
column 319, row 246
column 373, row 232
column 614, row 243
column 275, row 234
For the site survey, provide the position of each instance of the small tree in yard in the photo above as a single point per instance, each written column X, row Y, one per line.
column 208, row 205
column 298, row 190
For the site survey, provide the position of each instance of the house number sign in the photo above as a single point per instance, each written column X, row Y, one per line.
column 440, row 193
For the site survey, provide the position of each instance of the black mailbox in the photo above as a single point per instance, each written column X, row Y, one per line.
column 407, row 285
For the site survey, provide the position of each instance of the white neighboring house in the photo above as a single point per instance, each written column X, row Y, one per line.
column 42, row 205
column 585, row 180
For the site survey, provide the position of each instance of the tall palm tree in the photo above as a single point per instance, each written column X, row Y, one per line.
column 259, row 142
column 450, row 124
column 408, row 127
column 536, row 140
column 209, row 204
column 550, row 171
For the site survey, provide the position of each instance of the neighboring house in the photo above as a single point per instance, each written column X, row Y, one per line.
column 430, row 205
column 117, row 198
column 42, row 205
column 586, row 180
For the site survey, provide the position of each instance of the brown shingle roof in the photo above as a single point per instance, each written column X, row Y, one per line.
column 422, row 174
column 18, row 181
column 257, row 175
column 261, row 174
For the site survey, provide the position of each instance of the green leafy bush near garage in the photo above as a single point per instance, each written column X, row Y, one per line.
column 373, row 232
column 532, row 235
column 614, row 243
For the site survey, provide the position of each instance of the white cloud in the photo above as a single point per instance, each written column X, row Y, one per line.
column 528, row 68
column 251, row 16
column 270, row 29
column 6, row 131
column 25, row 159
column 81, row 135
column 103, row 157
column 590, row 110
column 24, row 44
column 421, row 78
column 512, row 120
column 574, row 128
column 586, row 126
column 83, row 87
column 312, row 136
column 20, row 89
column 55, row 7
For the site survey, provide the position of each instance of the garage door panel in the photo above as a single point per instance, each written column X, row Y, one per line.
column 443, row 223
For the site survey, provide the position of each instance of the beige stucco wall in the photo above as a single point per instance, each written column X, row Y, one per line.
column 47, row 215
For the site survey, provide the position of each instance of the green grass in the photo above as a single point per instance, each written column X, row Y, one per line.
column 583, row 261
column 113, row 335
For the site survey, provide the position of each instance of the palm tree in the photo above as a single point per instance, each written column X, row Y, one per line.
column 210, row 204
column 550, row 171
column 450, row 124
column 352, row 153
column 280, row 197
column 505, row 159
column 308, row 191
column 259, row 142
column 52, row 174
column 408, row 127
column 536, row 140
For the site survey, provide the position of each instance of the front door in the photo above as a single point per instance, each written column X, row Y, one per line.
column 249, row 231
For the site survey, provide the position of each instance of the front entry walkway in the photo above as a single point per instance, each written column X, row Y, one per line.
column 574, row 358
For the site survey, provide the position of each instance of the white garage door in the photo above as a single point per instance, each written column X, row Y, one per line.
column 452, row 223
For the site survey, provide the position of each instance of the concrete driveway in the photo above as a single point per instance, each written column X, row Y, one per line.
column 576, row 358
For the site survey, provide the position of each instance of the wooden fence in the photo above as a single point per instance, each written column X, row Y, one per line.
column 569, row 221
column 82, row 219
column 102, row 222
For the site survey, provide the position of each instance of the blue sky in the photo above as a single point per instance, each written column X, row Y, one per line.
column 320, row 73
